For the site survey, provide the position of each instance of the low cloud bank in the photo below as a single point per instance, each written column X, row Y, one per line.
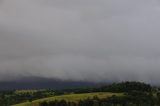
column 82, row 40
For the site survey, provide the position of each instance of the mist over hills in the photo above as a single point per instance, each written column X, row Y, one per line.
column 80, row 40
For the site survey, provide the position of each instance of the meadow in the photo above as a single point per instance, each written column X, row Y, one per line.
column 70, row 97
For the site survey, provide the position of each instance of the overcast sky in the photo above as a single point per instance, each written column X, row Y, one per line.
column 86, row 40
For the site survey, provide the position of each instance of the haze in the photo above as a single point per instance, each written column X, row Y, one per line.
column 81, row 40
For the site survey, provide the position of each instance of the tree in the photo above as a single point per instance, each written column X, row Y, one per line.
column 44, row 103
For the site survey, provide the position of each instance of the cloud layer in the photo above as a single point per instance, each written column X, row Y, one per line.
column 93, row 40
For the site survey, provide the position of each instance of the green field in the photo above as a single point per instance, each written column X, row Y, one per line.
column 70, row 97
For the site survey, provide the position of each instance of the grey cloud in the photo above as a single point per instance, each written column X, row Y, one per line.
column 93, row 40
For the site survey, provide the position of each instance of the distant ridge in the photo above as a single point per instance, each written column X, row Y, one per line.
column 43, row 83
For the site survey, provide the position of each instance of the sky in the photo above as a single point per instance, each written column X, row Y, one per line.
column 81, row 40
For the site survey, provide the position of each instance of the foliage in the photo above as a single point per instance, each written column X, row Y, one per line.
column 8, row 98
column 126, row 94
column 72, row 97
column 127, row 87
column 131, row 99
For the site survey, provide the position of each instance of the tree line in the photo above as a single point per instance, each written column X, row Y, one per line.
column 135, row 94
column 134, row 98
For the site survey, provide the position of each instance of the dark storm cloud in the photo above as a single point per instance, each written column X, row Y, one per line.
column 93, row 40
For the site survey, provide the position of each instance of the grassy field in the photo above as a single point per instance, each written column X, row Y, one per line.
column 70, row 97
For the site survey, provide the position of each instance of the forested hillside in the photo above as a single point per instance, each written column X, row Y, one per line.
column 117, row 94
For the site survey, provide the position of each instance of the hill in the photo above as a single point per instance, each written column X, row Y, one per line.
column 135, row 93
column 43, row 83
column 70, row 97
